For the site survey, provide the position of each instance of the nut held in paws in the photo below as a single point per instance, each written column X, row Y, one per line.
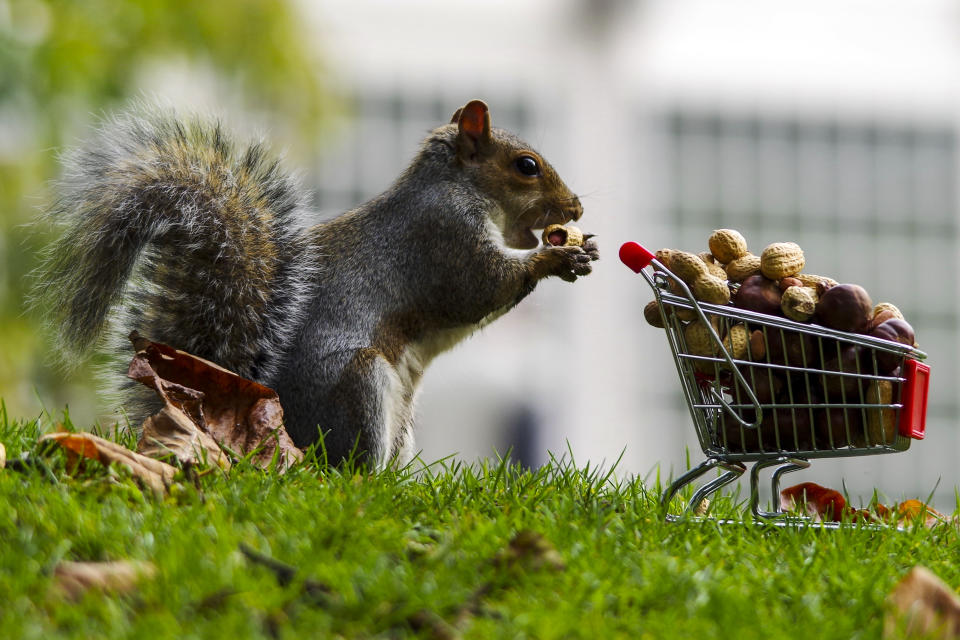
column 561, row 236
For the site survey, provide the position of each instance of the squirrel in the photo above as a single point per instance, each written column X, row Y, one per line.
column 172, row 228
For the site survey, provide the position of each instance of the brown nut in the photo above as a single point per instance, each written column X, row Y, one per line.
column 727, row 245
column 563, row 236
column 743, row 267
column 781, row 260
column 759, row 294
column 799, row 303
column 845, row 307
column 758, row 346
column 651, row 313
column 709, row 289
column 790, row 281
column 886, row 361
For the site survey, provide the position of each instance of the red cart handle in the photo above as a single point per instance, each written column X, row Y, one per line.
column 635, row 256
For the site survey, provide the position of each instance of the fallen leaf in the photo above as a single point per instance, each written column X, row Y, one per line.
column 73, row 579
column 922, row 605
column 239, row 414
column 827, row 505
column 531, row 551
column 820, row 503
column 155, row 474
column 912, row 510
column 171, row 432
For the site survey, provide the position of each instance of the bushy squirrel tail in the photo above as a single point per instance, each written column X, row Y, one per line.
column 174, row 230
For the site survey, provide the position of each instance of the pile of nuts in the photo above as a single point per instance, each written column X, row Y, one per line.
column 775, row 284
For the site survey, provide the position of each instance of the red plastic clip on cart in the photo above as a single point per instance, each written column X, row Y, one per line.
column 801, row 400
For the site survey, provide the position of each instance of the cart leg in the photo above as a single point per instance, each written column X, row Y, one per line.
column 786, row 466
column 733, row 471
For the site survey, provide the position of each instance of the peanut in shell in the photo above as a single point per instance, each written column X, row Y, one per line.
column 743, row 267
column 710, row 289
column 781, row 260
column 799, row 303
column 687, row 266
column 888, row 306
column 820, row 283
column 882, row 421
column 713, row 267
column 562, row 236
column 651, row 313
column 699, row 340
column 727, row 245
column 737, row 341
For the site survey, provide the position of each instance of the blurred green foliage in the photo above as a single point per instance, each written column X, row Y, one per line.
column 63, row 62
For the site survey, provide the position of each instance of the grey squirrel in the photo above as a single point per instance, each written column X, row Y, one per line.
column 174, row 230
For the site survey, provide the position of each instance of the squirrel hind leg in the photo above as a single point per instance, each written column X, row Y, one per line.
column 355, row 400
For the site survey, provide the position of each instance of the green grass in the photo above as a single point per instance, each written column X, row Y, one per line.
column 426, row 555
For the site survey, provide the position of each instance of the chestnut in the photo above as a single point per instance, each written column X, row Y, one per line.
column 845, row 307
column 904, row 331
column 760, row 294
column 838, row 427
column 844, row 388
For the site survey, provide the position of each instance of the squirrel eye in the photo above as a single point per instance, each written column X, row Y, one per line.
column 528, row 166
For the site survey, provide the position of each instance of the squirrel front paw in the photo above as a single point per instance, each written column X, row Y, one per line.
column 567, row 262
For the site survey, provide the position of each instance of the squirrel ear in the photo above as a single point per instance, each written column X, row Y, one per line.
column 473, row 120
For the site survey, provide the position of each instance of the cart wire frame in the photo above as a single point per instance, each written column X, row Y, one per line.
column 808, row 392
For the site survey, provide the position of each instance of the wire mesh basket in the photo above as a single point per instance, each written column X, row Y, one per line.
column 777, row 393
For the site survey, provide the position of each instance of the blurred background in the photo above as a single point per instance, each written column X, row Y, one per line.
column 833, row 124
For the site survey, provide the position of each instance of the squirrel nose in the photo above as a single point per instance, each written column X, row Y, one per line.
column 576, row 209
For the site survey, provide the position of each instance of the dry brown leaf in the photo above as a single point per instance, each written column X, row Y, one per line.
column 922, row 605
column 237, row 413
column 828, row 505
column 156, row 475
column 820, row 503
column 171, row 432
column 73, row 579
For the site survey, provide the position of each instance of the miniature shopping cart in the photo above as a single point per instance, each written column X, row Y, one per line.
column 798, row 392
